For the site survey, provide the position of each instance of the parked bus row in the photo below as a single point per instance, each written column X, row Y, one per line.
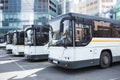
column 70, row 41
column 31, row 42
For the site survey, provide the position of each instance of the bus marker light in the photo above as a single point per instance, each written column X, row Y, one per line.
column 56, row 62
column 91, row 62
column 66, row 65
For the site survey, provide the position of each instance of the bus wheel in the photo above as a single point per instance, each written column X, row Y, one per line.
column 105, row 59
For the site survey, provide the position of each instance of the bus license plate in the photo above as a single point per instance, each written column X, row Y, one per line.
column 56, row 62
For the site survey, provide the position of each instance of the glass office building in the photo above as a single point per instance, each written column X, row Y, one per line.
column 10, row 10
column 117, row 10
column 14, row 14
column 44, row 10
column 11, row 13
column 27, row 12
column 68, row 6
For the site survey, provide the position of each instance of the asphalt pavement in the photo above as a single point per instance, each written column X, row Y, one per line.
column 18, row 68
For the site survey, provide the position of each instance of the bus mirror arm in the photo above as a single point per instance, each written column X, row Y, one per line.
column 65, row 42
column 48, row 45
column 61, row 27
column 65, row 46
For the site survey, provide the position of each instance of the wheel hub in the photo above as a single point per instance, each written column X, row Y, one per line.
column 105, row 60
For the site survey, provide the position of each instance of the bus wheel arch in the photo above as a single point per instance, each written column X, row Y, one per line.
column 105, row 58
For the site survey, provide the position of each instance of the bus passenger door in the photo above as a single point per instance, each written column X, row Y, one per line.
column 83, row 34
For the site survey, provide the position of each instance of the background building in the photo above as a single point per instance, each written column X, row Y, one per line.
column 44, row 10
column 14, row 14
column 27, row 12
column 117, row 10
column 10, row 10
column 89, row 7
column 11, row 13
column 68, row 6
column 96, row 7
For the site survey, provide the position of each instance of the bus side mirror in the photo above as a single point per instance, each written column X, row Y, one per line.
column 61, row 27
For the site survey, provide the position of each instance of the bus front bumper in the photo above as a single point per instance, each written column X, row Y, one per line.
column 9, row 51
column 36, row 57
column 63, row 64
column 73, row 64
column 18, row 53
column 21, row 53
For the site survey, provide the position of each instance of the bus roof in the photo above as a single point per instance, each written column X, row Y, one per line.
column 77, row 15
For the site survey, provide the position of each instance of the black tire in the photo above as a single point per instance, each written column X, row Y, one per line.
column 105, row 59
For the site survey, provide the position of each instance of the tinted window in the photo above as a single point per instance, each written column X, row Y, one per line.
column 21, row 38
column 102, row 29
column 42, row 36
column 102, row 32
column 106, row 29
column 82, row 34
column 116, row 32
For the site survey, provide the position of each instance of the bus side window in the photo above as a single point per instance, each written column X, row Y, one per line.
column 103, row 32
column 116, row 32
column 82, row 34
column 22, row 38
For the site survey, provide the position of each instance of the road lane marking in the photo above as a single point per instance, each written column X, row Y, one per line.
column 23, row 73
column 8, row 61
column 20, row 74
column 3, row 56
column 115, row 78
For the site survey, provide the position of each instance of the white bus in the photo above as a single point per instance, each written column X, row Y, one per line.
column 18, row 43
column 2, row 42
column 9, row 37
column 81, row 40
column 36, row 40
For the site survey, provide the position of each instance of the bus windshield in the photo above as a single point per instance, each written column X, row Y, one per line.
column 14, row 38
column 42, row 37
column 18, row 38
column 9, row 38
column 70, row 33
column 28, row 37
column 37, row 36
column 63, row 37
